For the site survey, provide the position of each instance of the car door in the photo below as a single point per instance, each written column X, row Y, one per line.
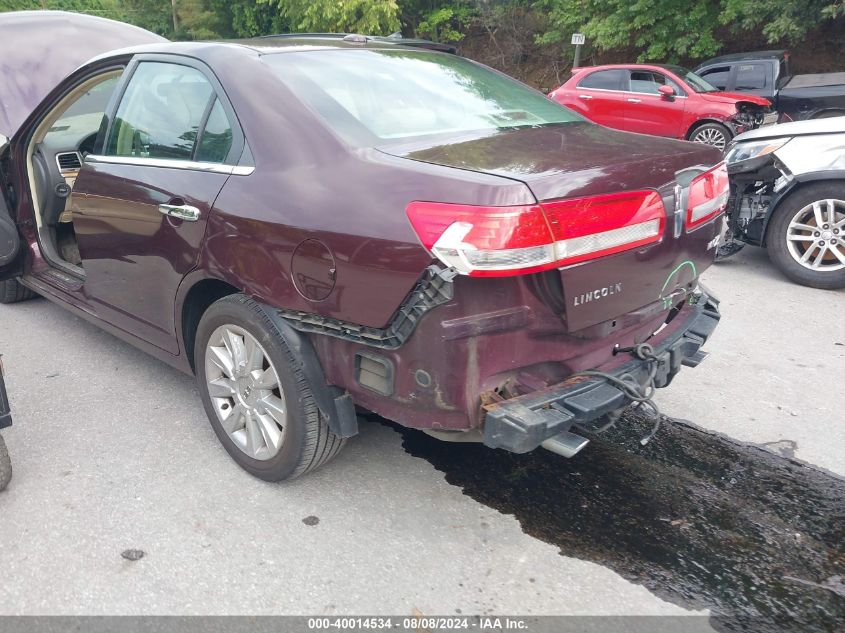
column 649, row 112
column 600, row 98
column 141, row 204
column 38, row 50
column 9, row 237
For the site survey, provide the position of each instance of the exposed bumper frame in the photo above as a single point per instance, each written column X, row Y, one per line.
column 521, row 424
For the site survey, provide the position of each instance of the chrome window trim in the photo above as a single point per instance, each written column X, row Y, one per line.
column 652, row 94
column 172, row 163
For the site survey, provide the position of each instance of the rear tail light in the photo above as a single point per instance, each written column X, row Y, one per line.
column 708, row 196
column 502, row 241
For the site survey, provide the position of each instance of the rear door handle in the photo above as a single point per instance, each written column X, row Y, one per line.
column 584, row 97
column 634, row 100
column 182, row 211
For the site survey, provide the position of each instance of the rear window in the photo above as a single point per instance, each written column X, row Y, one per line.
column 750, row 77
column 381, row 96
column 603, row 80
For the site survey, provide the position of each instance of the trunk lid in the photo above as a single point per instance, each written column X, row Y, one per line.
column 40, row 48
column 579, row 160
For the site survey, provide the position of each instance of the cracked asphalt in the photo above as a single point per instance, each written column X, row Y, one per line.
column 123, row 502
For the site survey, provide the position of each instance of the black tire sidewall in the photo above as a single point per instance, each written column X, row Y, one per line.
column 777, row 230
column 245, row 313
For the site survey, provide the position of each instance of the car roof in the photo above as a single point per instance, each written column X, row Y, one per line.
column 774, row 54
column 271, row 44
column 668, row 67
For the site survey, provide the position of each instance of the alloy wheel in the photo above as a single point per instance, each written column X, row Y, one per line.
column 815, row 236
column 245, row 391
column 710, row 136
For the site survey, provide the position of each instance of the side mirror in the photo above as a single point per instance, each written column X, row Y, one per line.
column 666, row 91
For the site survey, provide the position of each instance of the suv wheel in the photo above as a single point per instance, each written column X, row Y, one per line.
column 805, row 237
column 11, row 291
column 256, row 395
column 714, row 134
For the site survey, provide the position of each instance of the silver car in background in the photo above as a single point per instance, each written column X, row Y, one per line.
column 788, row 196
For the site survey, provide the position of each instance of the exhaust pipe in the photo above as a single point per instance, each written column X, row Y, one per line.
column 566, row 444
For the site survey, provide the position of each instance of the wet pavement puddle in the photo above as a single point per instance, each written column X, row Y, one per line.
column 701, row 520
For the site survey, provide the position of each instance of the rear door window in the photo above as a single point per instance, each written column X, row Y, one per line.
column 603, row 80
column 161, row 113
column 719, row 76
column 751, row 77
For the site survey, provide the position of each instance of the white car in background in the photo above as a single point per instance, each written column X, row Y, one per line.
column 788, row 196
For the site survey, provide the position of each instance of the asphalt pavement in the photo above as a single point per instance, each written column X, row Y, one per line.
column 112, row 452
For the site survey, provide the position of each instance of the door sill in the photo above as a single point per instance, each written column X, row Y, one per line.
column 60, row 278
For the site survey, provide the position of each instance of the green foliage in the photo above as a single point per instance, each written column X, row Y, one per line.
column 376, row 17
column 104, row 8
column 670, row 29
column 784, row 21
column 447, row 23
column 664, row 30
column 661, row 29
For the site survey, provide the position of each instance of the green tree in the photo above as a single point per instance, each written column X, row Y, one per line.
column 670, row 29
column 339, row 16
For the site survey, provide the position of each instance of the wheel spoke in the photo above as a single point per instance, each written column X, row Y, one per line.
column 817, row 214
column 254, row 439
column 837, row 251
column 268, row 379
column 221, row 358
column 221, row 388
column 270, row 431
column 831, row 212
column 797, row 226
column 818, row 260
column 254, row 355
column 235, row 344
column 276, row 408
column 806, row 256
column 801, row 238
column 234, row 421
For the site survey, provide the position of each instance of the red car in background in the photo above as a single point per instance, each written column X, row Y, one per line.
column 661, row 100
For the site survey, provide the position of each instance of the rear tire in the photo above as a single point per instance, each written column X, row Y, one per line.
column 262, row 408
column 5, row 465
column 11, row 291
column 714, row 134
column 797, row 210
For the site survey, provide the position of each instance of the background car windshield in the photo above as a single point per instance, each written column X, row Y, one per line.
column 396, row 95
column 693, row 81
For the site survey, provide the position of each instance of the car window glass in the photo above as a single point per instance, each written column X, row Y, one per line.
column 160, row 112
column 648, row 82
column 603, row 80
column 718, row 76
column 216, row 138
column 372, row 97
column 750, row 77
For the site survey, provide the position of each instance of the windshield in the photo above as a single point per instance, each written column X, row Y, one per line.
column 694, row 81
column 377, row 96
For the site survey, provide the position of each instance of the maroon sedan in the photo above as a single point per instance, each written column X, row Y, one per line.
column 661, row 100
column 319, row 225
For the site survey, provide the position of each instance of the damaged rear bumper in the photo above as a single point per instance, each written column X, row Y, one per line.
column 521, row 424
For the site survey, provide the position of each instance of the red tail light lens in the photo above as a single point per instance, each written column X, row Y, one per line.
column 586, row 228
column 708, row 196
column 502, row 241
